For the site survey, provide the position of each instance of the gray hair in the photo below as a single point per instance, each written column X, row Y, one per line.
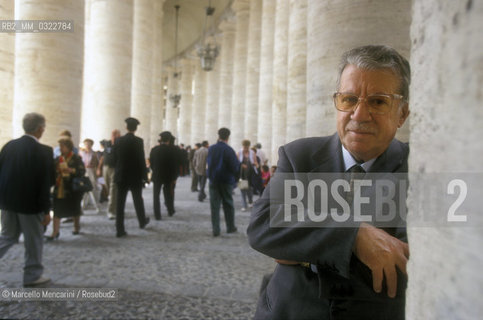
column 32, row 122
column 373, row 57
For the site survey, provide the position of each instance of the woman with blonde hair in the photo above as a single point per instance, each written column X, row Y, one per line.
column 67, row 201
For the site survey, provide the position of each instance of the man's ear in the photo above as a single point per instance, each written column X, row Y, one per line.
column 403, row 114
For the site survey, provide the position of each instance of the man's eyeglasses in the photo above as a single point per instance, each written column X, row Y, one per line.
column 377, row 103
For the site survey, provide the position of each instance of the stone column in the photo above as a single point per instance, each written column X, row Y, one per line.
column 331, row 32
column 48, row 69
column 157, row 95
column 297, row 66
column 142, row 68
column 445, row 278
column 185, row 118
column 171, row 112
column 266, row 76
column 7, row 65
column 212, row 100
column 198, row 106
column 279, row 89
column 241, row 8
column 227, row 26
column 253, row 71
column 108, row 68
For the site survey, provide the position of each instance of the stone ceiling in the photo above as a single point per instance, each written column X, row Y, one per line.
column 191, row 21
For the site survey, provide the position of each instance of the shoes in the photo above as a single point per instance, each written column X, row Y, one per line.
column 157, row 219
column 146, row 221
column 232, row 230
column 37, row 282
column 51, row 238
column 243, row 209
column 121, row 234
column 68, row 220
column 216, row 234
column 171, row 213
column 112, row 217
column 75, row 232
column 250, row 205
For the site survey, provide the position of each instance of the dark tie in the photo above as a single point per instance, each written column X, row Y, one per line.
column 356, row 172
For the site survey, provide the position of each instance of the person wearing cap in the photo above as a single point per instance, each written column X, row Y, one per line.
column 130, row 175
column 163, row 162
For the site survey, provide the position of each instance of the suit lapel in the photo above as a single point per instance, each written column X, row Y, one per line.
column 392, row 159
column 329, row 157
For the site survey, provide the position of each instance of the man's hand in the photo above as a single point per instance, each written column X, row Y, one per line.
column 46, row 220
column 382, row 253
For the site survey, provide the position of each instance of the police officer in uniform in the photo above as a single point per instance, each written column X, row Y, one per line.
column 130, row 175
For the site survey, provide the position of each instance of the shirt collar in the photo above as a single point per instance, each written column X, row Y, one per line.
column 349, row 161
column 31, row 136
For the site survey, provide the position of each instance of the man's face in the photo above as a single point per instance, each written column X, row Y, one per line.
column 363, row 134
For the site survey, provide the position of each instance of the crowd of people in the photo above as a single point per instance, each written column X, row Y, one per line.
column 119, row 167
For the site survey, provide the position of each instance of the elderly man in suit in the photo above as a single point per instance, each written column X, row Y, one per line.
column 130, row 175
column 342, row 272
column 164, row 164
column 26, row 175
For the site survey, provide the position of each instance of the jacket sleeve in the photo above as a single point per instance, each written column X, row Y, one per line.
column 234, row 164
column 329, row 247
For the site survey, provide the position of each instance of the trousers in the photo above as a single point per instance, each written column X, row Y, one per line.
column 220, row 194
column 30, row 225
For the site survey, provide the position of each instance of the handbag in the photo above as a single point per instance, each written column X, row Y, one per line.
column 243, row 184
column 82, row 184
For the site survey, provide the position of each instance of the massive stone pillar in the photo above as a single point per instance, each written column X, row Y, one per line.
column 297, row 66
column 253, row 71
column 171, row 112
column 266, row 76
column 157, row 101
column 227, row 26
column 241, row 8
column 185, row 119
column 108, row 68
column 142, row 68
column 212, row 100
column 198, row 106
column 279, row 89
column 48, row 68
column 445, row 278
column 7, row 65
column 332, row 30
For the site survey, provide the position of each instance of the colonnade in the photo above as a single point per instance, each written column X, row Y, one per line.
column 272, row 81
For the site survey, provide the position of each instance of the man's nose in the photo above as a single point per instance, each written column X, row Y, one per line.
column 361, row 112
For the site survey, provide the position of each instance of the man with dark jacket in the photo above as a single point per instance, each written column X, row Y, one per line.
column 336, row 269
column 26, row 175
column 130, row 174
column 163, row 162
column 223, row 173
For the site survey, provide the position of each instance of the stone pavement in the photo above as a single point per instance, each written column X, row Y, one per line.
column 174, row 269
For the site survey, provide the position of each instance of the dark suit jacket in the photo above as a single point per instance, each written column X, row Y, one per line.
column 26, row 175
column 342, row 287
column 130, row 169
column 164, row 163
